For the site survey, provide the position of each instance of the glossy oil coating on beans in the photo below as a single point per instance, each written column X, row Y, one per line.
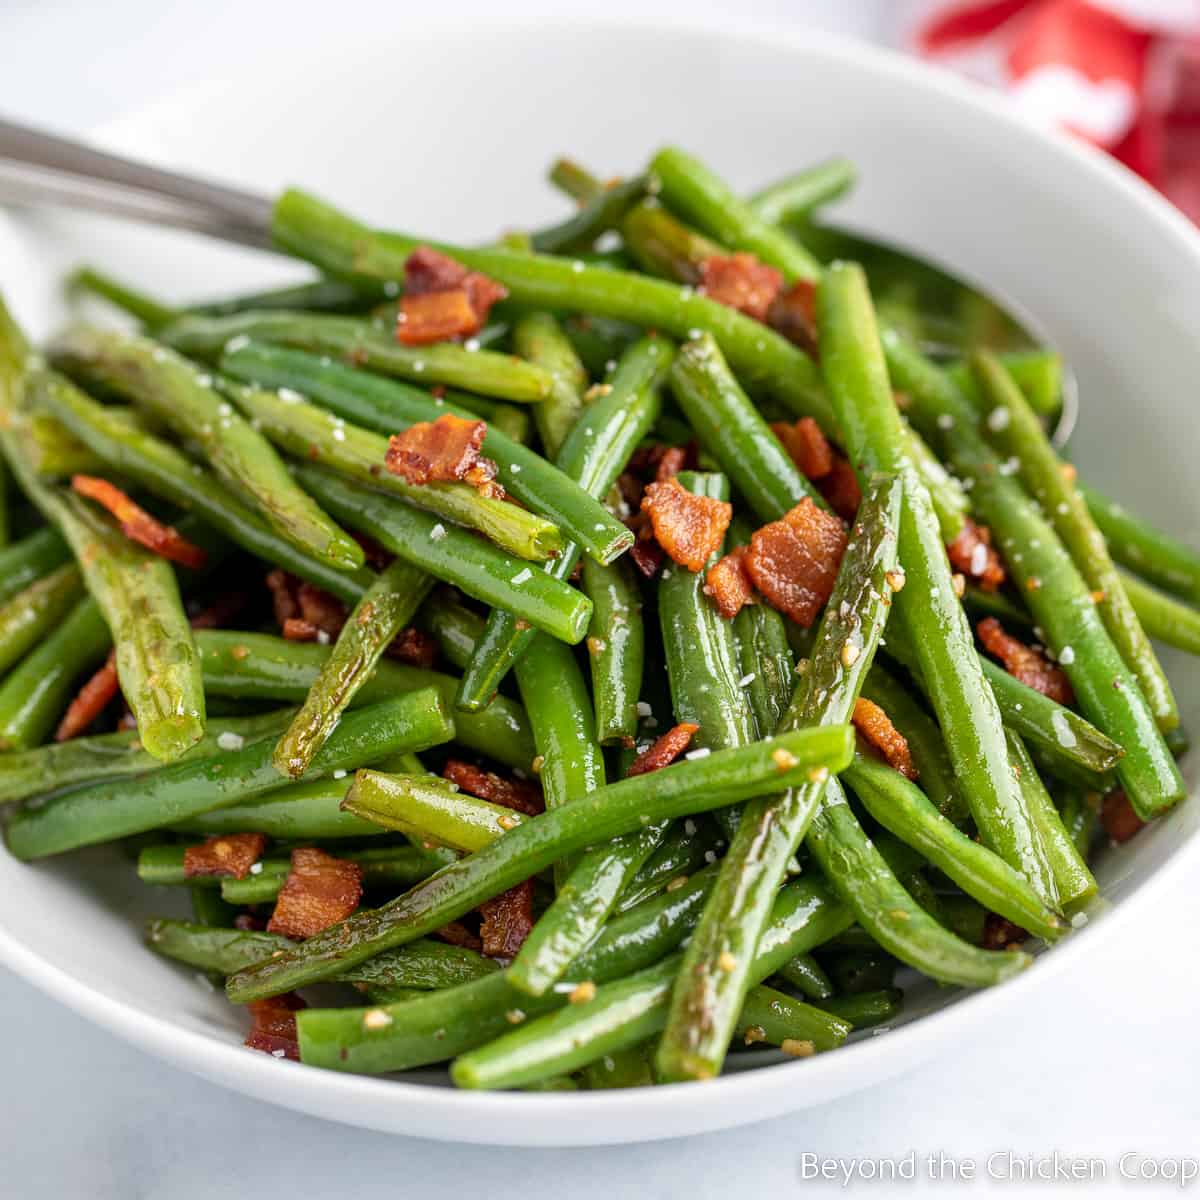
column 616, row 645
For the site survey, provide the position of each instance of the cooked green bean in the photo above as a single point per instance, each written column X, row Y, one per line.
column 309, row 811
column 599, row 212
column 795, row 196
column 30, row 559
column 32, row 613
column 1163, row 617
column 866, row 1008
column 538, row 338
column 807, row 975
column 616, row 645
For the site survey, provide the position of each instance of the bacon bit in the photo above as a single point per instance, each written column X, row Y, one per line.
column 794, row 315
column 807, row 446
column 1118, row 818
column 319, row 891
column 138, row 525
column 671, row 463
column 415, row 647
column 221, row 611
column 231, row 854
column 457, row 934
column 274, row 1025
column 443, row 299
column 794, row 561
column 249, row 922
column 1023, row 662
column 740, row 281
column 516, row 794
column 376, row 555
column 507, row 920
column 999, row 933
column 282, row 587
column 321, row 609
column 303, row 611
column 297, row 629
column 728, row 583
column 664, row 751
column 876, row 726
column 443, row 451
column 90, row 701
column 647, row 555
column 840, row 489
column 688, row 527
column 982, row 565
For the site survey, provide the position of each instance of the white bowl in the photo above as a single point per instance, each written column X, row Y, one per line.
column 450, row 131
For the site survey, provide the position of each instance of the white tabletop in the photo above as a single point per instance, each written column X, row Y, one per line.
column 1107, row 1066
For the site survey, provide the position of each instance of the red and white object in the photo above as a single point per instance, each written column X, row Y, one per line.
column 1122, row 74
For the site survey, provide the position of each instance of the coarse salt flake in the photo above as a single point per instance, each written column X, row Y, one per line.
column 230, row 740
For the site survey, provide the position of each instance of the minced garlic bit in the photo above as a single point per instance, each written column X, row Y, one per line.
column 1098, row 597
column 538, row 763
column 959, row 582
column 1033, row 583
column 726, row 961
column 230, row 740
column 596, row 646
column 850, row 653
column 755, row 1033
column 507, row 821
column 582, row 993
column 818, row 774
column 675, row 884
column 802, row 666
column 785, row 760
column 376, row 1018
column 514, row 1016
column 896, row 579
column 797, row 1048
column 240, row 652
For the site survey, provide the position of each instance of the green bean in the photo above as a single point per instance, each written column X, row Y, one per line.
column 175, row 392
column 713, row 980
column 31, row 614
column 795, row 196
column 258, row 666
column 1136, row 544
column 935, row 626
column 387, row 406
column 1165, row 618
column 631, row 1009
column 30, row 559
column 807, row 975
column 946, row 494
column 730, row 428
column 1080, row 819
column 85, row 759
column 308, row 228
column 723, row 778
column 1016, row 432
column 386, row 608
column 616, row 646
column 145, row 308
column 574, row 180
column 685, row 848
column 104, row 811
column 775, row 1017
column 455, row 626
column 308, row 811
column 598, row 213
column 664, row 246
column 980, row 603
column 543, row 600
column 210, row 910
column 364, row 345
column 903, row 808
column 1038, row 373
column 423, row 964
column 138, row 595
column 866, row 884
column 594, row 454
column 166, row 472
column 456, row 1020
column 538, row 338
column 698, row 196
column 628, row 1068
column 701, row 653
column 866, row 1008
column 309, row 432
column 33, row 696
column 1073, row 881
column 319, row 295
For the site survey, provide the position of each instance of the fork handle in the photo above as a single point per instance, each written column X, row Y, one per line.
column 37, row 167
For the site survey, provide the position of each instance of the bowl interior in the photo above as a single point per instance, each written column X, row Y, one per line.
column 451, row 132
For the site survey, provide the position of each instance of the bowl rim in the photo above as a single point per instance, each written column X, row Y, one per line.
column 855, row 1065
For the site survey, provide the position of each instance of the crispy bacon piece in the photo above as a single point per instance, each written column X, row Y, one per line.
column 282, row 587
column 740, row 281
column 999, row 933
column 319, row 891
column 516, row 794
column 507, row 920
column 297, row 629
column 231, row 854
column 415, row 647
column 324, row 611
column 646, row 554
column 441, row 451
column 274, row 1025
column 728, row 583
column 457, row 934
column 1118, row 818
column 249, row 922
column 807, row 446
column 1023, row 662
column 137, row 524
column 221, row 611
column 670, row 463
column 443, row 299
column 840, row 489
column 90, row 701
column 971, row 553
column 794, row 561
column 664, row 751
column 876, row 726
column 793, row 314
column 304, row 612
column 688, row 527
